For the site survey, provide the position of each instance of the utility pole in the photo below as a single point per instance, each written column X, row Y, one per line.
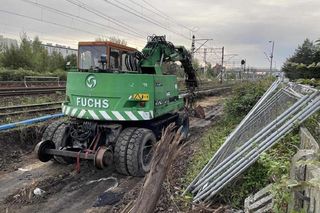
column 205, row 59
column 271, row 55
column 222, row 59
column 243, row 67
column 193, row 46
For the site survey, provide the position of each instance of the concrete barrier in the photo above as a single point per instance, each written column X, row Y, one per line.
column 306, row 170
column 260, row 202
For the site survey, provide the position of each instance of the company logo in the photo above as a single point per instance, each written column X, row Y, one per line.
column 92, row 102
column 91, row 81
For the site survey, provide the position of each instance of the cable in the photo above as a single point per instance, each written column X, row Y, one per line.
column 49, row 22
column 137, row 11
column 145, row 18
column 146, row 8
column 165, row 15
column 101, row 15
column 86, row 21
column 75, row 42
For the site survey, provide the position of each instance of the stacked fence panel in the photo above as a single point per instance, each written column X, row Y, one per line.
column 278, row 112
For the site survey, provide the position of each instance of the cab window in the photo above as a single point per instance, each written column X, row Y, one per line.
column 123, row 61
column 114, row 59
column 89, row 56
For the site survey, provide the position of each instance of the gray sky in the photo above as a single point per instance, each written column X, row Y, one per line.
column 242, row 27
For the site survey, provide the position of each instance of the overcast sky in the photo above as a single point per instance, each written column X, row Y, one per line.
column 242, row 27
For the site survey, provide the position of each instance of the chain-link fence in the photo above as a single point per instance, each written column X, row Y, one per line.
column 279, row 110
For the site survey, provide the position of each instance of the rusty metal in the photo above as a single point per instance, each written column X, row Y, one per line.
column 103, row 157
column 72, row 154
column 41, row 148
column 45, row 150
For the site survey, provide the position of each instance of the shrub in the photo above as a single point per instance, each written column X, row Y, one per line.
column 244, row 98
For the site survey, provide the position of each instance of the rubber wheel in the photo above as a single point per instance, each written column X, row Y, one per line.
column 133, row 151
column 120, row 150
column 50, row 130
column 59, row 138
column 183, row 120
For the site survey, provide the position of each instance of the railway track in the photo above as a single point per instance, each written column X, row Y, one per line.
column 53, row 107
column 30, row 90
column 16, row 91
column 30, row 109
column 14, row 84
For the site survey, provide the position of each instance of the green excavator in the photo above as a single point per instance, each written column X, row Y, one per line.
column 117, row 102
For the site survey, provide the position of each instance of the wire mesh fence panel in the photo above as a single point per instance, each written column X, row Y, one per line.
column 278, row 112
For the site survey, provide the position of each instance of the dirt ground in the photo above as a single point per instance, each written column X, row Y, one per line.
column 62, row 189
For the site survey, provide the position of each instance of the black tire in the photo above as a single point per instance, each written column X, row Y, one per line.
column 136, row 149
column 183, row 120
column 50, row 130
column 60, row 138
column 120, row 150
column 140, row 151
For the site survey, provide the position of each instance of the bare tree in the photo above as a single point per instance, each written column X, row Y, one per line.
column 113, row 39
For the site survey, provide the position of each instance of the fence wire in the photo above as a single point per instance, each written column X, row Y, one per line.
column 279, row 110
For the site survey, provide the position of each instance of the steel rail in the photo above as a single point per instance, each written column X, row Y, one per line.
column 26, row 91
column 4, row 89
column 30, row 111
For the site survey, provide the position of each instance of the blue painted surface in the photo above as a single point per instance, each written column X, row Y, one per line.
column 29, row 121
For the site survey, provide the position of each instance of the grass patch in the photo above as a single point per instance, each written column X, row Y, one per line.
column 209, row 144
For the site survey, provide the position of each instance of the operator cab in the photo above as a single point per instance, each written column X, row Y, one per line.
column 104, row 56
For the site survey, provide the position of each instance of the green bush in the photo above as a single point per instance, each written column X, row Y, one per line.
column 312, row 82
column 244, row 97
column 298, row 70
column 305, row 62
column 31, row 58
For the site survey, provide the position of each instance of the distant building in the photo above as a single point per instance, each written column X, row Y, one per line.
column 64, row 50
column 7, row 42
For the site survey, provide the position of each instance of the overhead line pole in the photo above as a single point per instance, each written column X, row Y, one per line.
column 222, row 59
column 271, row 56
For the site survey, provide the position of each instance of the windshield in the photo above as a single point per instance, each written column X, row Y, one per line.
column 89, row 56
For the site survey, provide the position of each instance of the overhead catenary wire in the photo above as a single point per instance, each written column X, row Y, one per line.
column 136, row 11
column 104, row 16
column 73, row 41
column 48, row 22
column 165, row 15
column 82, row 19
column 125, row 8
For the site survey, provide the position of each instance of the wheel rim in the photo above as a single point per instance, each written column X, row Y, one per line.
column 147, row 153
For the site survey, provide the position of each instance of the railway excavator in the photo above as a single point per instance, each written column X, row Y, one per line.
column 117, row 102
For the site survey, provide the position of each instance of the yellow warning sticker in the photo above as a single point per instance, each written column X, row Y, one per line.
column 141, row 96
